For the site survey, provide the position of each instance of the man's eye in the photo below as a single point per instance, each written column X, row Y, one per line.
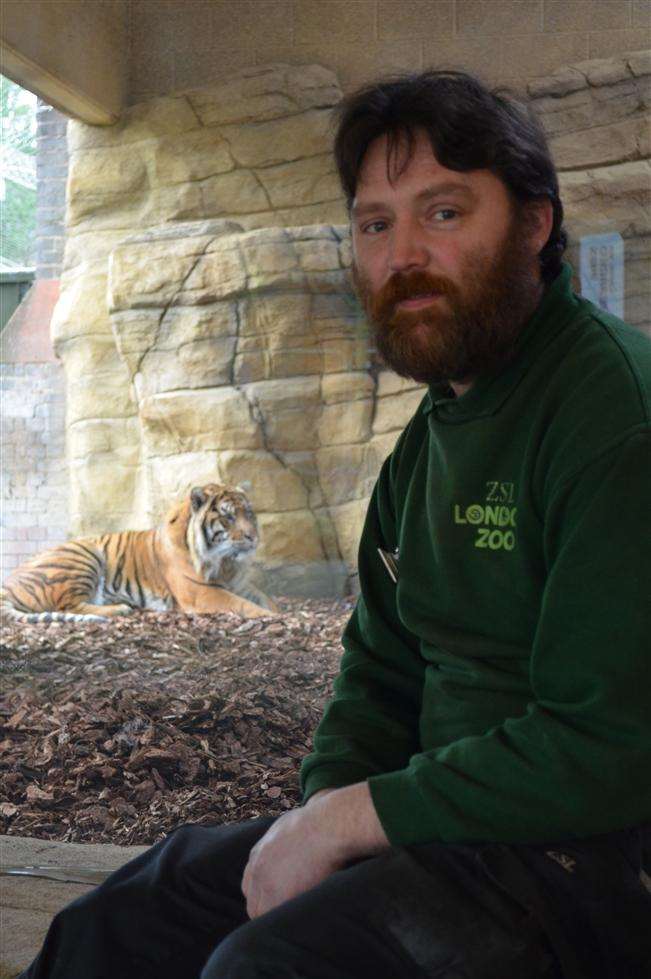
column 374, row 227
column 445, row 214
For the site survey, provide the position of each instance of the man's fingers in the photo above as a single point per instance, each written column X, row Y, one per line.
column 258, row 898
column 246, row 877
column 260, row 903
column 253, row 902
column 251, row 889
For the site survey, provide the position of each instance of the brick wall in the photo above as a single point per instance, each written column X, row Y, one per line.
column 177, row 44
column 51, row 176
column 34, row 475
column 34, row 480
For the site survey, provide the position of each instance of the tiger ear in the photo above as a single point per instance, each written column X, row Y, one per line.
column 244, row 486
column 197, row 498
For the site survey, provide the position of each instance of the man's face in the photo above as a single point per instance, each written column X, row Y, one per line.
column 446, row 266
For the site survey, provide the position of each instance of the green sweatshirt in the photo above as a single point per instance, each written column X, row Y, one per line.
column 502, row 689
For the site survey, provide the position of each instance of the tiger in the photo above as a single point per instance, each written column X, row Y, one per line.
column 194, row 561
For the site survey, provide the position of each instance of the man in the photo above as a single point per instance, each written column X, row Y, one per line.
column 478, row 790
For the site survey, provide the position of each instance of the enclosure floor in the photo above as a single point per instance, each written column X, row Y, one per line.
column 115, row 733
column 28, row 904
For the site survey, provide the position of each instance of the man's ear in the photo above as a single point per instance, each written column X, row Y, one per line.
column 541, row 217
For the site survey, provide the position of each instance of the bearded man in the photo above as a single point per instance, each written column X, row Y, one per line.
column 477, row 801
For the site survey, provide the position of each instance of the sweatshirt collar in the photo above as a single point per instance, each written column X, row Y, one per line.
column 489, row 392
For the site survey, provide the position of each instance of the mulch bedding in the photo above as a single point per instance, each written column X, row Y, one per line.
column 119, row 731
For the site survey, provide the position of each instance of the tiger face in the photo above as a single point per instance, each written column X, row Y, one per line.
column 222, row 526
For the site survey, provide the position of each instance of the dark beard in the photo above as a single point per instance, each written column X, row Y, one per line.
column 469, row 332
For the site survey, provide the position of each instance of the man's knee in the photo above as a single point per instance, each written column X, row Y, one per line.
column 257, row 951
column 251, row 952
column 194, row 855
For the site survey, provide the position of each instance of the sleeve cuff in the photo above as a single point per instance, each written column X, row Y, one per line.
column 332, row 777
column 406, row 818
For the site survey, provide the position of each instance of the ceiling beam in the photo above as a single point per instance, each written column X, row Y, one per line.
column 74, row 55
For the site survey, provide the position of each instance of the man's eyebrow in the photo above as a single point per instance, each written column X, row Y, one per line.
column 428, row 193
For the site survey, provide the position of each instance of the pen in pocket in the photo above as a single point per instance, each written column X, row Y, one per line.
column 390, row 561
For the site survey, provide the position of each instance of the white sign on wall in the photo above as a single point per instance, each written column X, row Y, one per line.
column 602, row 271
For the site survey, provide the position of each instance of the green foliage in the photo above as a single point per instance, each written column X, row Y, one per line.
column 17, row 117
column 18, row 208
column 17, row 243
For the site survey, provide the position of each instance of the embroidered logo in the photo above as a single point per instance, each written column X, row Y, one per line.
column 567, row 863
column 494, row 518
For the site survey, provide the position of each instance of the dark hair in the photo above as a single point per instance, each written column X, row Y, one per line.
column 469, row 127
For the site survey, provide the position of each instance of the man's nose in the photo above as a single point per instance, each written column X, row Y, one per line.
column 407, row 249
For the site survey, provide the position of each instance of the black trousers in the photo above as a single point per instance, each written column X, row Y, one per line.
column 436, row 910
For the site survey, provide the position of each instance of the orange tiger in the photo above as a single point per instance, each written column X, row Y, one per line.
column 193, row 561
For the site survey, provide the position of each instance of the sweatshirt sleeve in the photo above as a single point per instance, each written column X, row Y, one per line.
column 370, row 725
column 577, row 762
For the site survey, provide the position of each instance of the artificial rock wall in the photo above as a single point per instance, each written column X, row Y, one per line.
column 202, row 341
column 250, row 362
column 242, row 149
column 597, row 120
column 207, row 324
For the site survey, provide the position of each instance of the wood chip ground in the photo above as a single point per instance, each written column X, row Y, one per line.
column 119, row 731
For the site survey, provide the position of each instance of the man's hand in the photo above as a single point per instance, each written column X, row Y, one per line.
column 306, row 845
